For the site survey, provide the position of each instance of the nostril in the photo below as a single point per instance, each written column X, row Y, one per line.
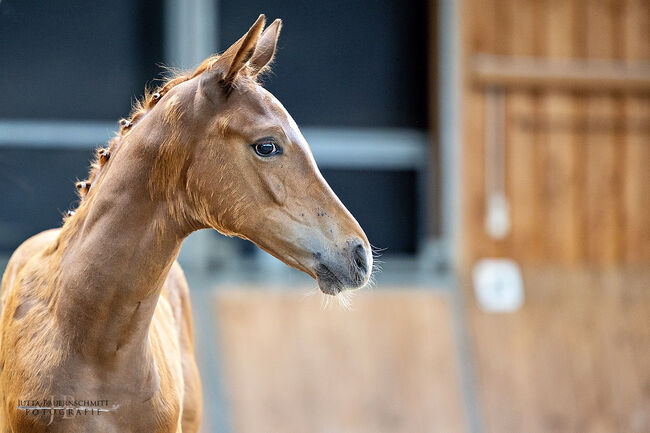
column 359, row 254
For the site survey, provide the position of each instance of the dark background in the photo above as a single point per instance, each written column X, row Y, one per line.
column 339, row 64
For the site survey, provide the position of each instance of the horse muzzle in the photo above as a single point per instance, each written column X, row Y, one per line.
column 348, row 268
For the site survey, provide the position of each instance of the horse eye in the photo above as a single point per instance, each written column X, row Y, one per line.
column 266, row 148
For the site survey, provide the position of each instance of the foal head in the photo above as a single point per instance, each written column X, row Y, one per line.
column 243, row 167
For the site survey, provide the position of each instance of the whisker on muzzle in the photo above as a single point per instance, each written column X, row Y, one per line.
column 309, row 293
column 325, row 301
column 376, row 251
column 345, row 299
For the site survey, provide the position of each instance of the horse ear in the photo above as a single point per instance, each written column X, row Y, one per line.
column 266, row 47
column 241, row 51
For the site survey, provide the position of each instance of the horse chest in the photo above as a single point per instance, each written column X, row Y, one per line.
column 76, row 395
column 74, row 402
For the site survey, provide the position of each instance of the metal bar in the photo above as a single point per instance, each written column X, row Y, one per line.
column 389, row 149
column 191, row 36
column 566, row 74
column 190, row 32
column 497, row 218
column 54, row 133
column 450, row 91
column 449, row 103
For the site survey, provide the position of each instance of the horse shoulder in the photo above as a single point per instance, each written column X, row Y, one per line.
column 26, row 335
column 26, row 251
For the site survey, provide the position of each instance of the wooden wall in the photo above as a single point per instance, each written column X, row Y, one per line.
column 573, row 359
column 389, row 365
column 577, row 162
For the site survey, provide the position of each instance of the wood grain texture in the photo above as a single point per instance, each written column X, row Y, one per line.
column 598, row 76
column 577, row 173
column 637, row 149
column 387, row 366
column 602, row 159
column 524, row 152
column 573, row 359
column 558, row 200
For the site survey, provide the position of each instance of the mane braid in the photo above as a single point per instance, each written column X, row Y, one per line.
column 140, row 108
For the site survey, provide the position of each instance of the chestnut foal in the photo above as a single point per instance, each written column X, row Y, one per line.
column 96, row 328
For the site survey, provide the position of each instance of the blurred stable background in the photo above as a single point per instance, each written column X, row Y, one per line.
column 499, row 150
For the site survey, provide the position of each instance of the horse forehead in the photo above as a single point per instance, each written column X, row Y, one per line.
column 268, row 96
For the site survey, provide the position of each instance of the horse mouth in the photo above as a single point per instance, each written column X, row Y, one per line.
column 327, row 280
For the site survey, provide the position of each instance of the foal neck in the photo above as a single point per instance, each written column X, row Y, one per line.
column 116, row 252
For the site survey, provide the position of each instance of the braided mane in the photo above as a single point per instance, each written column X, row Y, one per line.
column 140, row 108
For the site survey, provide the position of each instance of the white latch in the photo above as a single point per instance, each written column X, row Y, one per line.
column 498, row 285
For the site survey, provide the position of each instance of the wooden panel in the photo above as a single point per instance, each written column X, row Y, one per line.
column 523, row 150
column 602, row 158
column 574, row 359
column 637, row 148
column 577, row 162
column 387, row 366
column 473, row 125
column 523, row 73
column 560, row 195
